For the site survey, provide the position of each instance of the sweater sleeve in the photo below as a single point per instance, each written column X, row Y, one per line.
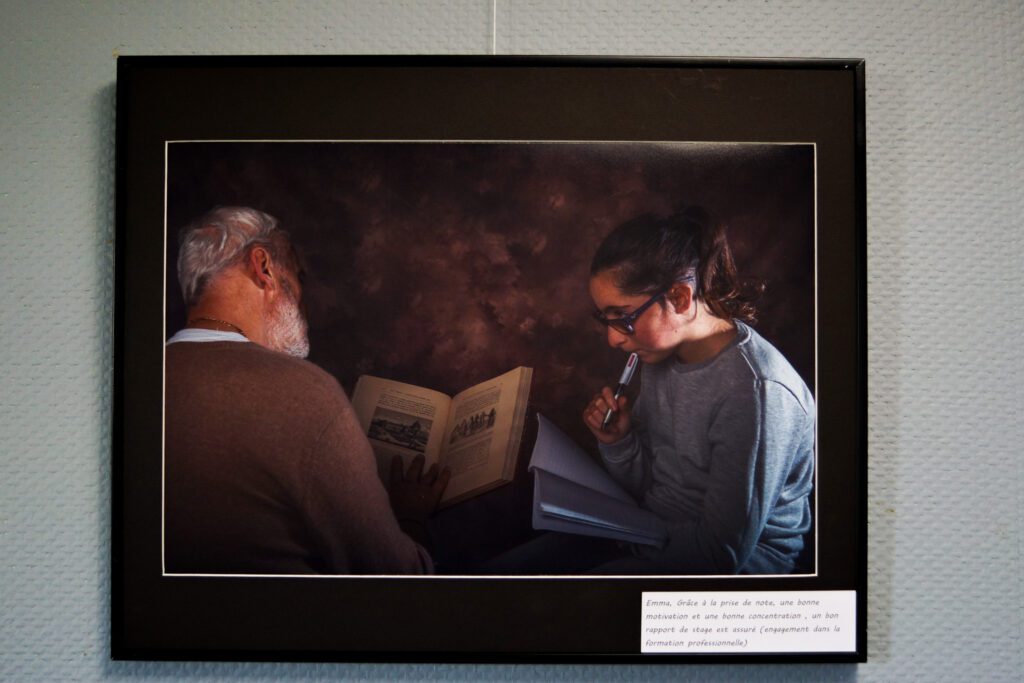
column 348, row 508
column 626, row 459
column 754, row 438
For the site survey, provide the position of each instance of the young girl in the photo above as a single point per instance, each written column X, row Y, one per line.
column 720, row 443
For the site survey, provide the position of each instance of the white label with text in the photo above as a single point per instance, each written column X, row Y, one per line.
column 749, row 621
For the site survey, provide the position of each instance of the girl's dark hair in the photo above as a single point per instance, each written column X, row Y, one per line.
column 650, row 253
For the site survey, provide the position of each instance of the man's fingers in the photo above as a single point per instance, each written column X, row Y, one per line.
column 442, row 481
column 415, row 468
column 396, row 468
column 431, row 476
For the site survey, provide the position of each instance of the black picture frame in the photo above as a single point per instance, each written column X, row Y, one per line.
column 484, row 100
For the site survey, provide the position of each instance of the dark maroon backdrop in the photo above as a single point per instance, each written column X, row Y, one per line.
column 446, row 264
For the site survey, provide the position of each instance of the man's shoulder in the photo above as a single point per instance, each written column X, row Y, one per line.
column 252, row 361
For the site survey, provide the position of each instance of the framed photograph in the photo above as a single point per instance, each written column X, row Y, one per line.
column 490, row 359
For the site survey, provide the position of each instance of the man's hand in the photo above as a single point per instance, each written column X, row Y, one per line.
column 415, row 495
column 593, row 416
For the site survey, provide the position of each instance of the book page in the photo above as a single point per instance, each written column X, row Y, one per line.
column 556, row 453
column 573, row 493
column 590, row 513
column 480, row 428
column 400, row 419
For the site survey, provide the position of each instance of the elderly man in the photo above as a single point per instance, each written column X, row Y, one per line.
column 266, row 468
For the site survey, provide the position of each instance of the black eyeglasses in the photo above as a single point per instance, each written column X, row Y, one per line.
column 625, row 323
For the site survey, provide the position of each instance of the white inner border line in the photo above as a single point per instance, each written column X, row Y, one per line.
column 494, row 27
column 487, row 577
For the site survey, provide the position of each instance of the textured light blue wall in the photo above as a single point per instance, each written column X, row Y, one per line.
column 945, row 149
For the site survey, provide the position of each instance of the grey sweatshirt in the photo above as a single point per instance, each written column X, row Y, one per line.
column 723, row 451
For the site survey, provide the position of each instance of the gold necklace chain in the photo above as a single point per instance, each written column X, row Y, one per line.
column 222, row 322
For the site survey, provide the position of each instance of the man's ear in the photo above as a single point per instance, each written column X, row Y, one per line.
column 261, row 268
column 680, row 295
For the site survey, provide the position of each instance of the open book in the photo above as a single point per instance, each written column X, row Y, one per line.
column 574, row 494
column 475, row 433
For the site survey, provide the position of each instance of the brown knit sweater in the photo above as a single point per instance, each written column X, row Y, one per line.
column 267, row 471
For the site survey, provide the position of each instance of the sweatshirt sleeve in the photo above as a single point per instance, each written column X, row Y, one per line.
column 754, row 437
column 348, row 508
column 626, row 459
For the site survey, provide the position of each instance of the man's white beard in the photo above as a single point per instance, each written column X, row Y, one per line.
column 287, row 331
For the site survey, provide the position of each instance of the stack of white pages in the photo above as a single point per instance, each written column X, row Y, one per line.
column 572, row 493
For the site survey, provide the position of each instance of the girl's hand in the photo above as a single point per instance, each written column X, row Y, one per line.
column 593, row 416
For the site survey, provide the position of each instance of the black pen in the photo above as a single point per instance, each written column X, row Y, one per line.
column 627, row 374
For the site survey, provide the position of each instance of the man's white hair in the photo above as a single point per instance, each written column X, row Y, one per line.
column 217, row 240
